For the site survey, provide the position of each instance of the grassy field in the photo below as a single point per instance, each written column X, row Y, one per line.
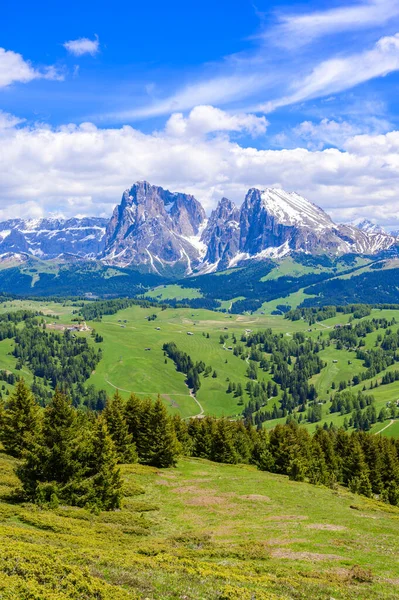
column 176, row 292
column 128, row 366
column 202, row 531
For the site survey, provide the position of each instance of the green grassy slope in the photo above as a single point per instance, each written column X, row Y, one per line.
column 202, row 531
column 126, row 364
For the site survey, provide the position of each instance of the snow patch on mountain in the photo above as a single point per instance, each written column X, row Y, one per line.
column 291, row 209
column 368, row 225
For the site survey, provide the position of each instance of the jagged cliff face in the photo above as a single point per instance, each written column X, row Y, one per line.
column 272, row 223
column 155, row 228
column 222, row 235
column 49, row 238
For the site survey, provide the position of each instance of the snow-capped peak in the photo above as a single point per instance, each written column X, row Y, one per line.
column 291, row 209
column 368, row 225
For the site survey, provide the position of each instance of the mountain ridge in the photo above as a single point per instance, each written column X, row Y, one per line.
column 168, row 233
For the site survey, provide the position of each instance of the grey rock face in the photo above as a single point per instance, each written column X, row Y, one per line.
column 48, row 238
column 221, row 235
column 155, row 228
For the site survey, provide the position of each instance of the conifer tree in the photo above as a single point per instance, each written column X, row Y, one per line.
column 133, row 411
column 164, row 447
column 139, row 423
column 54, row 456
column 103, row 483
column 115, row 418
column 20, row 421
column 60, row 431
column 223, row 448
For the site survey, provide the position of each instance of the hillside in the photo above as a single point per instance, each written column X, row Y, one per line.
column 133, row 360
column 191, row 532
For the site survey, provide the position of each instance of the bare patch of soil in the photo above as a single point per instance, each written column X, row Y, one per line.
column 313, row 556
column 327, row 527
column 255, row 497
column 286, row 518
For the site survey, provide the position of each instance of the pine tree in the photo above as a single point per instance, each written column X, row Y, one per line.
column 103, row 483
column 53, row 460
column 164, row 447
column 223, row 447
column 20, row 421
column 115, row 418
column 60, row 431
column 133, row 411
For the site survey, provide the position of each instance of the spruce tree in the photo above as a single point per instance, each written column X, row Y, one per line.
column 164, row 447
column 20, row 421
column 115, row 417
column 103, row 483
column 133, row 411
column 60, row 430
column 53, row 460
column 223, row 447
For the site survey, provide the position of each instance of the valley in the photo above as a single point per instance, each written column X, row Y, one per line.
column 133, row 359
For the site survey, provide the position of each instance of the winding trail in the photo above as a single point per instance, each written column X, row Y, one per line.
column 392, row 421
column 200, row 414
column 191, row 394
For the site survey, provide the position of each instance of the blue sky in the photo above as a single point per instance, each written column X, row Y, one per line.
column 210, row 98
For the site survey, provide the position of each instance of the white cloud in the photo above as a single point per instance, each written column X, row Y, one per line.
column 84, row 169
column 13, row 68
column 296, row 30
column 331, row 132
column 208, row 119
column 339, row 74
column 7, row 120
column 284, row 80
column 214, row 90
column 83, row 46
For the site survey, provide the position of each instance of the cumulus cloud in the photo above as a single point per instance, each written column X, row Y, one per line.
column 208, row 119
column 83, row 46
column 84, row 169
column 13, row 68
column 330, row 132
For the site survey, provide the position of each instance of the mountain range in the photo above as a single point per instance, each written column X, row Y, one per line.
column 168, row 232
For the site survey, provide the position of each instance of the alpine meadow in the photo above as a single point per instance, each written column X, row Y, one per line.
column 199, row 300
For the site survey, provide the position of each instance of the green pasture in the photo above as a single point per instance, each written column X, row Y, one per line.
column 201, row 531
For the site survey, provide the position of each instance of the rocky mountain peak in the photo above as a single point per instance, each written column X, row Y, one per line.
column 156, row 228
column 368, row 226
column 221, row 235
column 166, row 232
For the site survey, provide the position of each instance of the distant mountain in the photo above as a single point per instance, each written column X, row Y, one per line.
column 156, row 229
column 368, row 226
column 167, row 233
column 273, row 223
column 52, row 237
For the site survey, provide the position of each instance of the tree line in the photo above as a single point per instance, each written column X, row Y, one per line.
column 70, row 456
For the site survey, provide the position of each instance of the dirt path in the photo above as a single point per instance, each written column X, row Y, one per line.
column 392, row 421
column 191, row 394
column 200, row 414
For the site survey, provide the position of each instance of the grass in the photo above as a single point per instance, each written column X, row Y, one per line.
column 126, row 364
column 168, row 292
column 202, row 531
